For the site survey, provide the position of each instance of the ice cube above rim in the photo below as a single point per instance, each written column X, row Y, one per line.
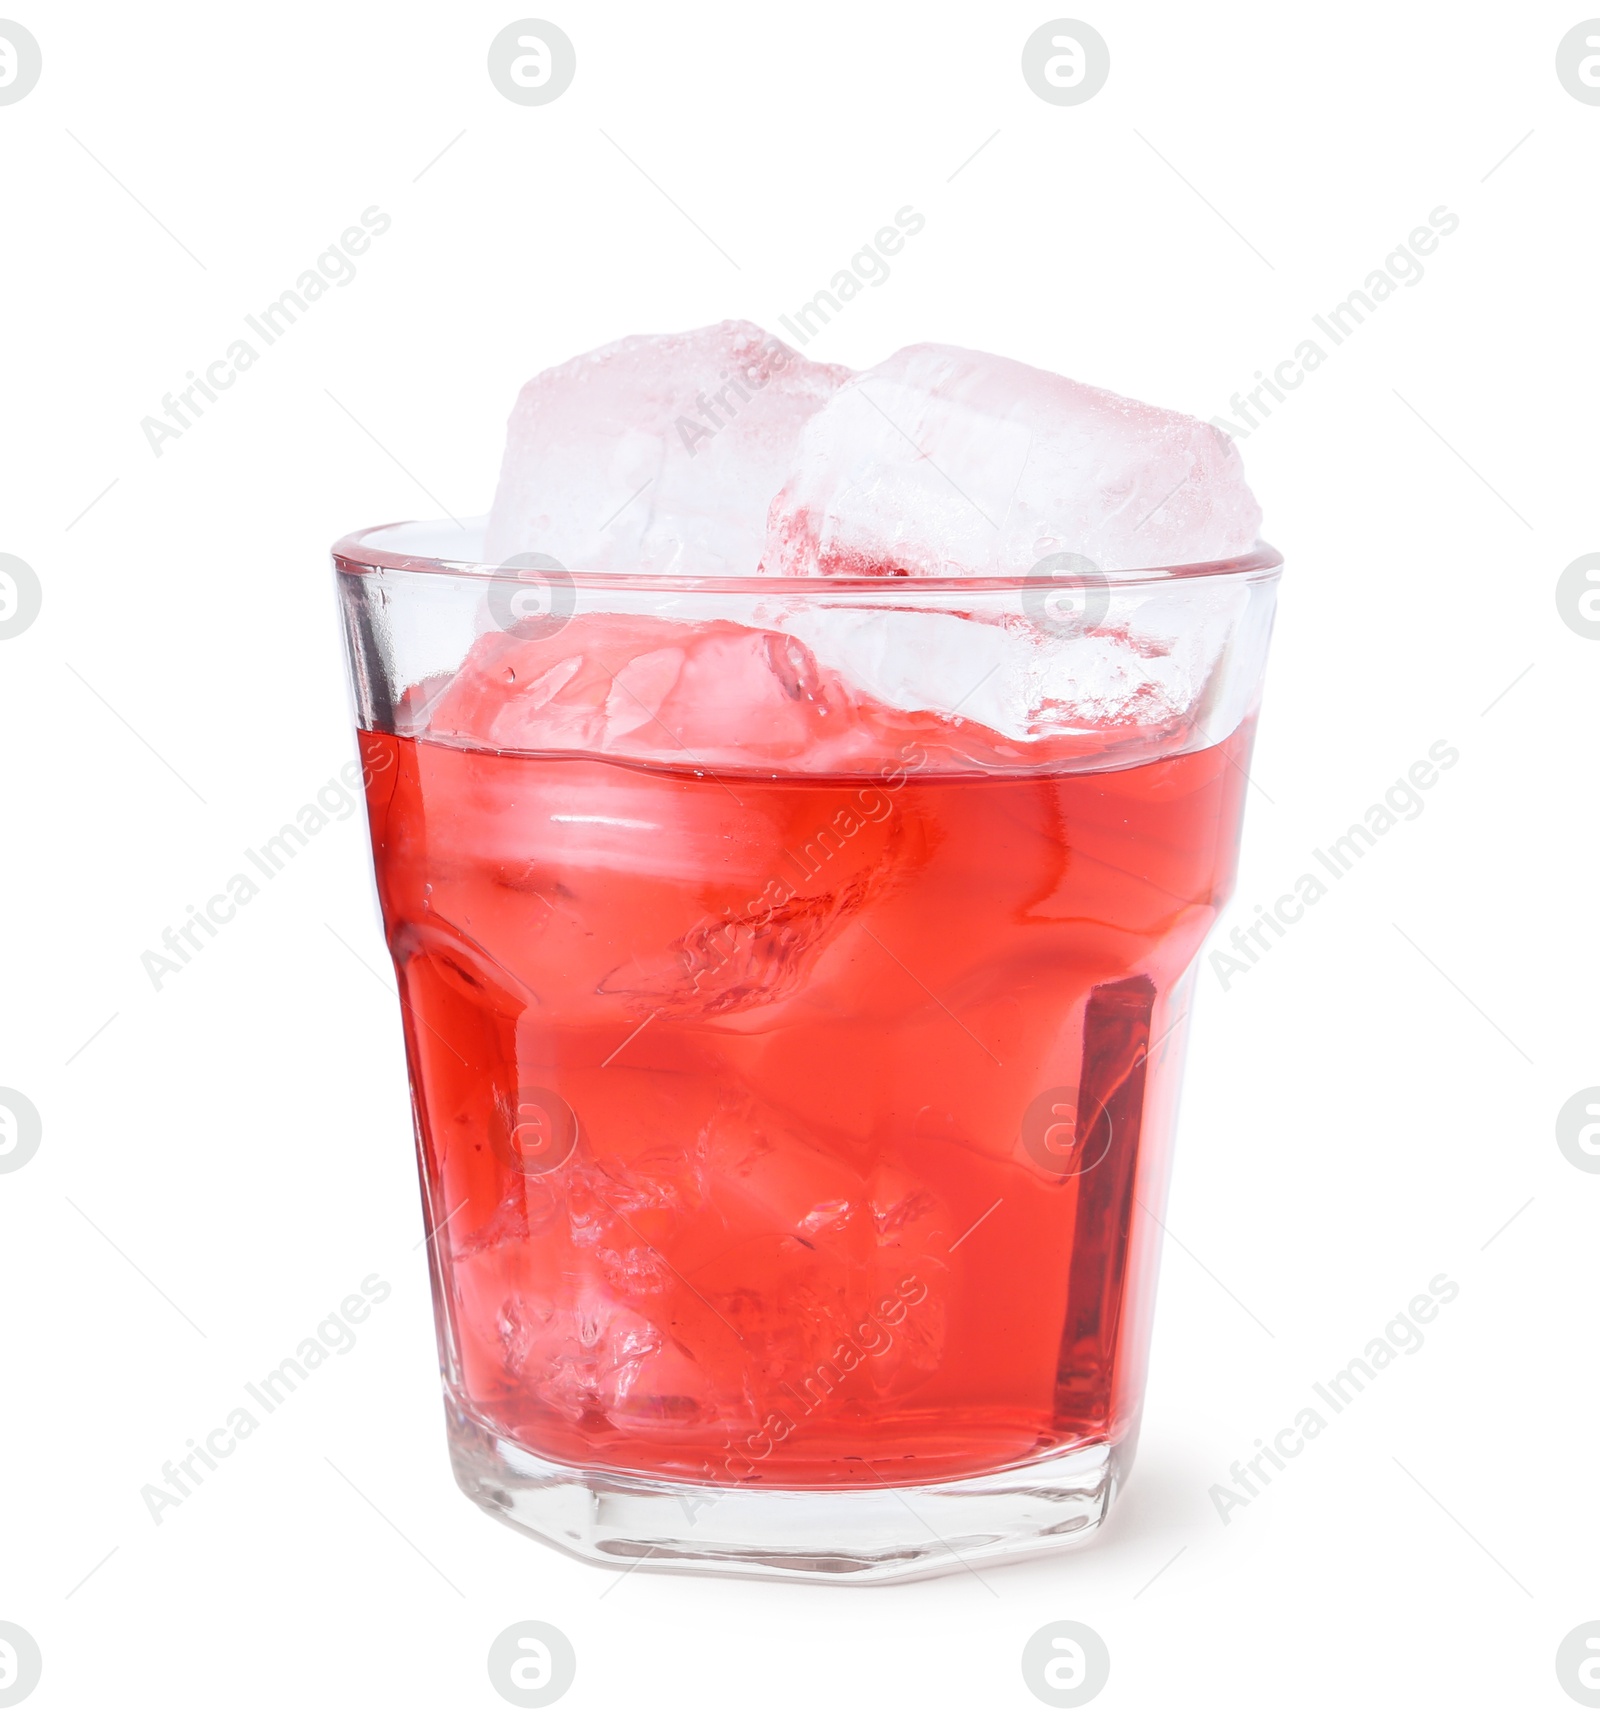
column 656, row 455
column 942, row 462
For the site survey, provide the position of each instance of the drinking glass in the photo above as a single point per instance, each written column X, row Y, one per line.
column 794, row 1056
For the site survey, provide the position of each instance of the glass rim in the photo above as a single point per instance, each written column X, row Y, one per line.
column 360, row 554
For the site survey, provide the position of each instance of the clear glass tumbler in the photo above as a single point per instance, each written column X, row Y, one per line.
column 794, row 977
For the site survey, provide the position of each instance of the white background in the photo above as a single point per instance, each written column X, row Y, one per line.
column 1361, row 1113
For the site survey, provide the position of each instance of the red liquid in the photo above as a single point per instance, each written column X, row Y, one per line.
column 727, row 1097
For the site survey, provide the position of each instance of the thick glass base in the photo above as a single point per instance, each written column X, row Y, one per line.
column 855, row 1536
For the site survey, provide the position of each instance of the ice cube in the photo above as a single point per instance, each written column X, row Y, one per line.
column 580, row 1356
column 1146, row 665
column 656, row 454
column 647, row 688
column 944, row 462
